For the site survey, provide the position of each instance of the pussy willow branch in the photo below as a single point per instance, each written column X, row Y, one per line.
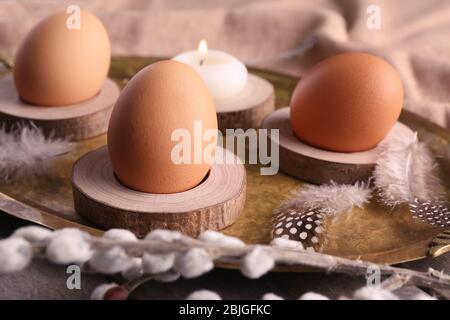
column 331, row 264
column 392, row 283
column 395, row 282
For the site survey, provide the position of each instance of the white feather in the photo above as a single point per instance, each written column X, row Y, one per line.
column 406, row 170
column 25, row 150
column 330, row 199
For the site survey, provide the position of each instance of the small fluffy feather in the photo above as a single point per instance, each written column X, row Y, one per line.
column 203, row 295
column 25, row 151
column 406, row 170
column 33, row 234
column 157, row 263
column 257, row 263
column 331, row 199
column 193, row 263
column 69, row 245
column 15, row 255
column 110, row 261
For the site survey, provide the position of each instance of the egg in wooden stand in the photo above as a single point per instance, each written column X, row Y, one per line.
column 347, row 103
column 138, row 181
column 340, row 111
column 60, row 77
column 158, row 100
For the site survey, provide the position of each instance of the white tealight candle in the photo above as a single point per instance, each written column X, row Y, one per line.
column 224, row 75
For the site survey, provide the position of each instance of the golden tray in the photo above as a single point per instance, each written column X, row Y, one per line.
column 370, row 234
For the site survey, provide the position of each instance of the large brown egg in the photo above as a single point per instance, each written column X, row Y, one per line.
column 347, row 103
column 160, row 100
column 58, row 65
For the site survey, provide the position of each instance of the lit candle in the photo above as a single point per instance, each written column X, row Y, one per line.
column 224, row 75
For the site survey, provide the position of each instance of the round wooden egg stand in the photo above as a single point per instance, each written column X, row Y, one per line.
column 214, row 204
column 321, row 166
column 78, row 121
column 248, row 108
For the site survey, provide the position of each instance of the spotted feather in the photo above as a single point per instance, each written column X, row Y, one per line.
column 305, row 226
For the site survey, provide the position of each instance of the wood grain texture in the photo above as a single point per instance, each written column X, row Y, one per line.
column 321, row 166
column 79, row 121
column 248, row 108
column 214, row 204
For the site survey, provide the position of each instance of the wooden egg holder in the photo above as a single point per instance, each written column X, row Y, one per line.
column 321, row 166
column 214, row 204
column 248, row 108
column 78, row 121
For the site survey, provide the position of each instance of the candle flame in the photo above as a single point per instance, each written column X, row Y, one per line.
column 203, row 48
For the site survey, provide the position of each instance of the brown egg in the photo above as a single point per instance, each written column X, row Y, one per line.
column 347, row 103
column 158, row 100
column 58, row 66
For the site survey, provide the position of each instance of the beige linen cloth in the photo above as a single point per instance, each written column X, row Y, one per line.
column 284, row 35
